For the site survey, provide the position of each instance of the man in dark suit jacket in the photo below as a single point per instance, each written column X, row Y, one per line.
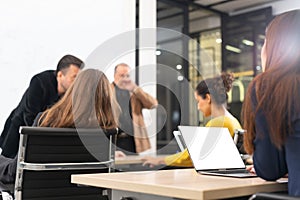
column 44, row 90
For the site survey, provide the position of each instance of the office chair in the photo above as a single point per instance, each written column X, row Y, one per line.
column 238, row 139
column 272, row 196
column 49, row 156
column 235, row 98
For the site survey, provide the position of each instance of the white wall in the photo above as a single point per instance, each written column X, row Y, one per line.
column 35, row 34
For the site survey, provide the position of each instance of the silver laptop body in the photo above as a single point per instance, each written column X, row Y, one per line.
column 213, row 152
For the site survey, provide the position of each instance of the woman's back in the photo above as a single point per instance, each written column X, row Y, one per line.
column 271, row 110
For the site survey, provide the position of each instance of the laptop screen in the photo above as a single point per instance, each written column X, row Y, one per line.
column 211, row 148
column 179, row 140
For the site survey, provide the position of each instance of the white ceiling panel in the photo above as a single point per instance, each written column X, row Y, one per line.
column 228, row 6
column 199, row 14
column 207, row 2
column 232, row 6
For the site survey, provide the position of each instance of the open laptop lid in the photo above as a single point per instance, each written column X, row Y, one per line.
column 211, row 148
column 179, row 140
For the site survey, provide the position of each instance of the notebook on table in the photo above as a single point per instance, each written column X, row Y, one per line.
column 213, row 152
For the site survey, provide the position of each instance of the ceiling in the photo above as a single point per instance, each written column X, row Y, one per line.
column 230, row 6
column 170, row 8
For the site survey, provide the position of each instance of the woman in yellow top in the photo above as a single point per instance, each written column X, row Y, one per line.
column 211, row 95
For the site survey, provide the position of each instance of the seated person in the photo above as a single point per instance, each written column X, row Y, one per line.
column 88, row 103
column 133, row 137
column 271, row 111
column 211, row 95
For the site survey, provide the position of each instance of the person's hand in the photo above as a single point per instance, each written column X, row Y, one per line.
column 119, row 154
column 152, row 161
column 251, row 169
column 127, row 84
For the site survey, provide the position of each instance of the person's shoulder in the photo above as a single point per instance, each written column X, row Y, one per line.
column 233, row 122
column 217, row 121
column 37, row 119
column 45, row 75
column 224, row 121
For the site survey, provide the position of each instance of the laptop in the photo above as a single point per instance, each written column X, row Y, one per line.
column 179, row 140
column 213, row 152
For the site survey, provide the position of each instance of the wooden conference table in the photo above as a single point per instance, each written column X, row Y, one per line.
column 178, row 183
column 133, row 163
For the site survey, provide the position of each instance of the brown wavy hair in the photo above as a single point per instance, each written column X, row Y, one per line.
column 217, row 87
column 276, row 89
column 88, row 103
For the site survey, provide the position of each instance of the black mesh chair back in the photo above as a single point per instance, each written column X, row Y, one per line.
column 49, row 156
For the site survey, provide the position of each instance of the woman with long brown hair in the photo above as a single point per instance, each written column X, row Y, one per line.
column 88, row 103
column 271, row 111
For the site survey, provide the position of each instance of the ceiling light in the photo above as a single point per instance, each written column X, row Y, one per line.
column 219, row 40
column 248, row 42
column 158, row 52
column 233, row 49
column 179, row 67
column 258, row 68
column 261, row 36
column 180, row 78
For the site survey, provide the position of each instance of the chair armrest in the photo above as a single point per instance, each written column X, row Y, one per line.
column 65, row 166
column 273, row 196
